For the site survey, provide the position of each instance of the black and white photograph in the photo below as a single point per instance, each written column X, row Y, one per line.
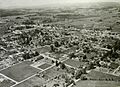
column 59, row 43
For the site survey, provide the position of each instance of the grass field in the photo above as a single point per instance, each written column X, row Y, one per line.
column 20, row 71
column 97, row 84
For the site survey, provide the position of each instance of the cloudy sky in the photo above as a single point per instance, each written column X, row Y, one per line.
column 21, row 3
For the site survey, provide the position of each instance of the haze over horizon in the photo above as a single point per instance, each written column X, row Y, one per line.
column 30, row 3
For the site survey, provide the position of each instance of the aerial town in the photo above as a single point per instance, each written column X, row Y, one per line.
column 60, row 47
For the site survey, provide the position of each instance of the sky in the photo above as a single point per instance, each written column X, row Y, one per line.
column 26, row 3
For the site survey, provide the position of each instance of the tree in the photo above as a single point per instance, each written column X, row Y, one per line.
column 116, row 46
column 36, row 53
column 78, row 74
column 28, row 22
column 57, row 64
column 56, row 43
column 53, row 61
column 84, row 57
column 36, row 86
column 72, row 55
column 26, row 56
column 52, row 48
column 91, row 66
column 63, row 66
column 114, row 55
column 56, row 85
column 83, row 78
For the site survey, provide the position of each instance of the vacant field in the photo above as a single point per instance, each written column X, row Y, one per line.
column 32, row 82
column 97, row 84
column 5, row 82
column 20, row 71
column 74, row 63
column 44, row 66
column 96, row 75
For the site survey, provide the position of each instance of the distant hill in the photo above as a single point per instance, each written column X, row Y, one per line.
column 10, row 12
column 105, row 5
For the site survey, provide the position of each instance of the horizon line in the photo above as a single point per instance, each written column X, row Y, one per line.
column 54, row 5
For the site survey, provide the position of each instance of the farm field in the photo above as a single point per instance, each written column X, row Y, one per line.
column 73, row 63
column 53, row 72
column 46, row 77
column 96, row 75
column 4, row 82
column 32, row 82
column 97, row 84
column 20, row 71
column 44, row 66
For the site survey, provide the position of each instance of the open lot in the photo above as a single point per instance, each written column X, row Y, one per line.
column 20, row 71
